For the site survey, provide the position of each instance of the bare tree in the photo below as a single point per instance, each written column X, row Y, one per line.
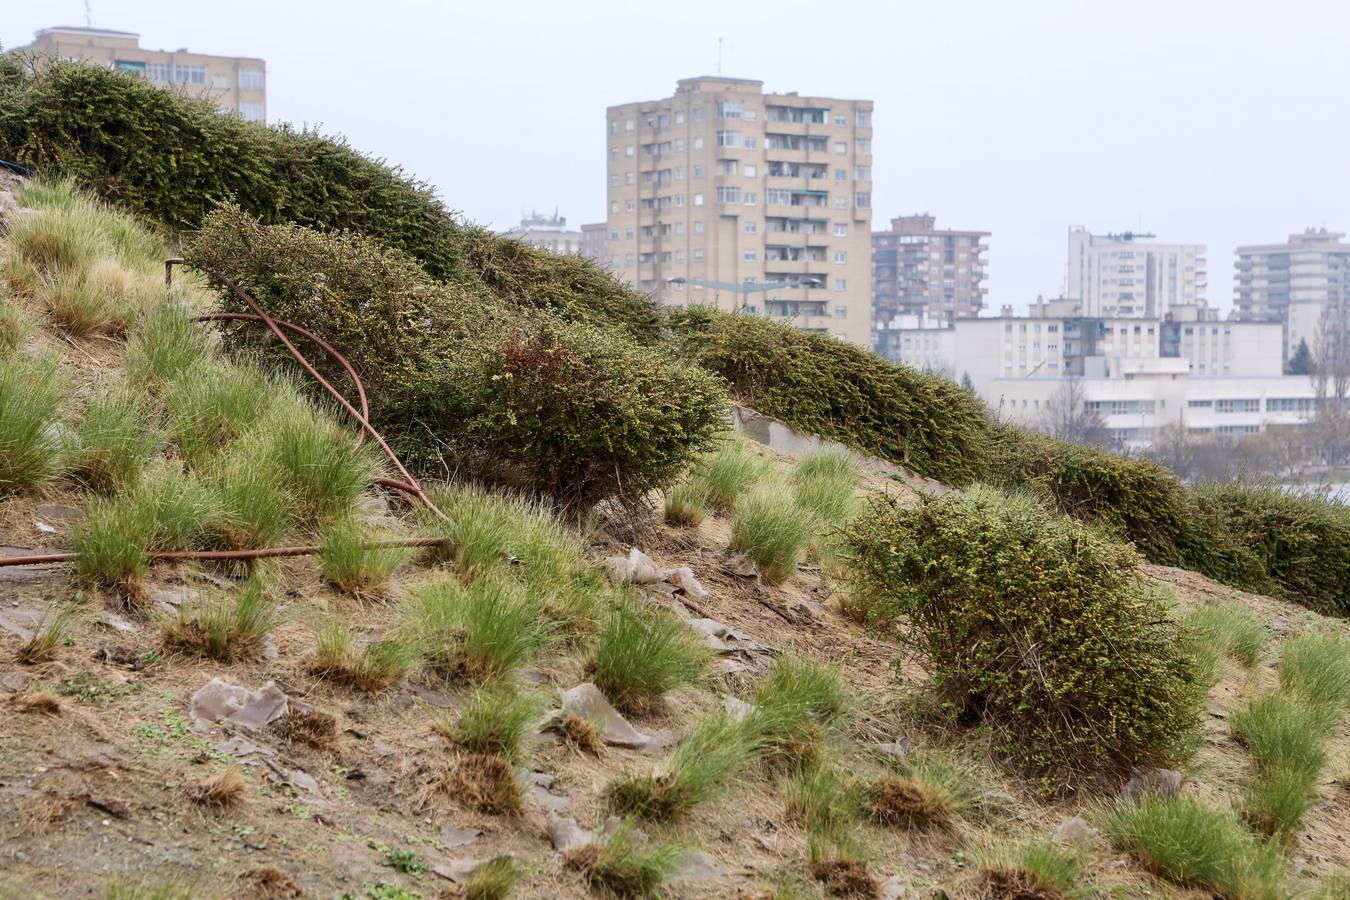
column 1330, row 428
column 1067, row 415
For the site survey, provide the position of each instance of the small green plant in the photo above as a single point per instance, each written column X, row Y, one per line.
column 115, row 438
column 1276, row 801
column 212, row 406
column 1196, row 845
column 727, row 473
column 318, row 461
column 821, row 800
column 625, row 865
column 1316, row 668
column 493, row 880
column 641, row 654
column 715, row 750
column 111, row 543
column 375, row 667
column 350, row 563
column 256, row 505
column 477, row 632
column 51, row 631
column 824, row 484
column 31, row 394
column 183, row 507
column 1282, row 733
column 165, row 343
column 224, row 628
column 797, row 704
column 687, row 504
column 405, row 861
column 86, row 688
column 772, row 530
column 495, row 721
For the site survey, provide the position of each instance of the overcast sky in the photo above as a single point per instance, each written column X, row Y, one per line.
column 1222, row 122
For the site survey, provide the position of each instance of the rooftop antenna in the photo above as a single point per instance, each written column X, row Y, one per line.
column 88, row 16
column 719, row 56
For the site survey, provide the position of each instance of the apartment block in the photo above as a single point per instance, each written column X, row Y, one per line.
column 923, row 274
column 233, row 83
column 1293, row 283
column 727, row 196
column 548, row 233
column 1127, row 275
column 595, row 243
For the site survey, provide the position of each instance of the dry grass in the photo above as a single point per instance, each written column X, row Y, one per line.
column 483, row 782
column 375, row 667
column 48, row 635
column 580, row 735
column 316, row 728
column 219, row 790
column 43, row 702
column 844, row 877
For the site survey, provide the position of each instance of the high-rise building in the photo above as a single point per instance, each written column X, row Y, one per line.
column 233, row 83
column 547, row 233
column 1293, row 283
column 727, row 196
column 923, row 275
column 1125, row 275
column 594, row 242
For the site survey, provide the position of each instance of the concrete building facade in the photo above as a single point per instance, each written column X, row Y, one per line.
column 1126, row 275
column 722, row 190
column 595, row 242
column 923, row 273
column 548, row 233
column 234, row 83
column 1293, row 283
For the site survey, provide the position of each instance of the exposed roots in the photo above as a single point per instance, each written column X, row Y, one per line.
column 273, row 884
column 1013, row 884
column 580, row 735
column 905, row 803
column 482, row 781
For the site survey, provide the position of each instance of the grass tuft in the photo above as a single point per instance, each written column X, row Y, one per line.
column 314, row 727
column 493, row 880
column 1225, row 628
column 478, row 632
column 625, row 865
column 687, row 504
column 728, row 472
column 715, row 750
column 1316, row 668
column 1195, row 845
column 319, row 462
column 210, row 407
column 824, row 483
column 1035, row 870
column 48, row 635
column 495, row 721
column 772, row 530
column 375, row 667
column 932, row 790
column 166, row 343
column 641, row 654
column 114, row 440
column 485, row 782
column 797, row 703
column 350, row 564
column 31, row 394
column 112, row 542
column 43, row 702
column 1282, row 733
column 821, row 800
column 581, row 735
column 224, row 628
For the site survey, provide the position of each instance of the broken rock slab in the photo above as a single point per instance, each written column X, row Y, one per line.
column 639, row 568
column 219, row 699
column 586, row 701
column 453, row 836
column 21, row 621
column 723, row 638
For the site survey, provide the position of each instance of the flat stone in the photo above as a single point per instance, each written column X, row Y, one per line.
column 452, row 836
column 116, row 622
column 898, row 749
column 588, row 702
column 432, row 697
column 1074, row 830
column 894, row 888
column 241, row 748
column 697, row 866
column 1161, row 782
column 739, row 709
column 20, row 621
column 565, row 833
column 219, row 699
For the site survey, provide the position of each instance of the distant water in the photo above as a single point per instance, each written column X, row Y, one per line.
column 1335, row 491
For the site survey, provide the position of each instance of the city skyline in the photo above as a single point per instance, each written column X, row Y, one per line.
column 1019, row 122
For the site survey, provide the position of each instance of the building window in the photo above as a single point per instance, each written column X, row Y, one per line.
column 221, row 81
column 841, row 148
column 863, row 200
column 679, row 146
column 679, row 173
column 614, row 261
column 841, row 121
column 841, row 312
column 728, row 195
column 751, row 115
column 631, row 206
column 841, row 284
column 253, row 112
column 751, row 227
column 679, row 228
column 629, row 178
column 751, row 198
column 698, row 223
column 751, row 143
column 841, row 203
column 679, row 117
column 728, row 138
column 698, row 171
column 863, row 118
column 628, row 259
column 841, row 174
column 698, row 143
column 863, row 145
column 750, row 255
column 614, row 127
column 862, row 173
column 679, row 256
column 698, row 113
column 250, row 79
column 679, row 200
column 728, row 109
column 698, row 256
column 629, row 124
column 840, row 229
column 751, row 171
column 614, row 207
column 698, row 199
column 840, row 256
column 628, row 232
column 629, row 150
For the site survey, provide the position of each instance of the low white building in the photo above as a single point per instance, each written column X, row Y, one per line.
column 548, row 233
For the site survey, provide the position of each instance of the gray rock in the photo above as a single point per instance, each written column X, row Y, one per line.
column 1074, row 830
column 894, row 888
column 697, row 866
column 1161, row 782
column 452, row 836
column 116, row 622
column 586, row 701
column 219, row 699
column 565, row 833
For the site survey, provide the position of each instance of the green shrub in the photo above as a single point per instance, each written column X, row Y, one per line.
column 1034, row 623
column 115, row 438
column 829, row 387
column 478, row 632
column 173, row 158
column 772, row 530
column 1291, row 544
column 642, row 653
column 573, row 411
column 1191, row 844
column 31, row 394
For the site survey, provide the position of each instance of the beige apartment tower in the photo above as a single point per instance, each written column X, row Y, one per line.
column 726, row 196
column 233, row 83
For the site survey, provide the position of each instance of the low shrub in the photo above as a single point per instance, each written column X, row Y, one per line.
column 829, row 387
column 641, row 654
column 478, row 632
column 772, row 530
column 1034, row 623
column 566, row 409
column 1195, row 845
column 114, row 440
column 31, row 394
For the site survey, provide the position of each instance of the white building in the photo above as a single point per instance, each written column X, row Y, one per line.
column 548, row 233
column 1293, row 283
column 1123, row 275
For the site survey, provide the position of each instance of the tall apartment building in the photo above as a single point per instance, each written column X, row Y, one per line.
column 923, row 274
column 1293, row 283
column 547, row 233
column 728, row 196
column 233, row 83
column 1124, row 275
